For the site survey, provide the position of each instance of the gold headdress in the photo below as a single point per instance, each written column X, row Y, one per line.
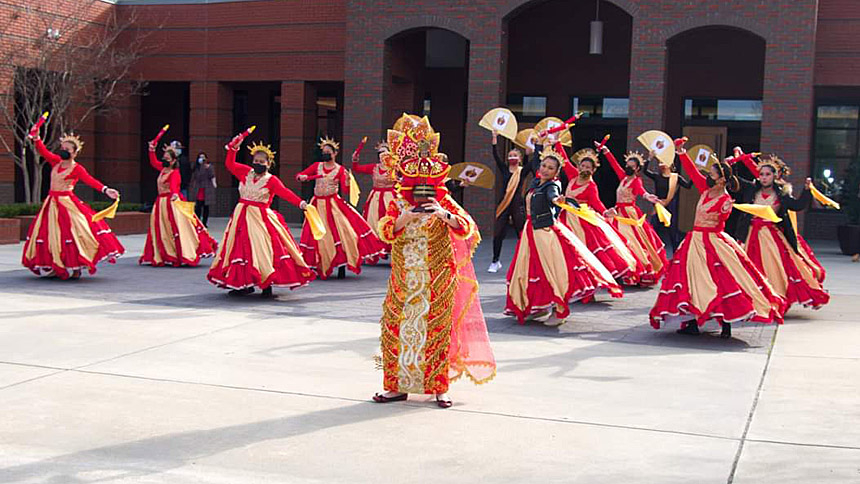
column 73, row 139
column 550, row 152
column 586, row 154
column 779, row 167
column 261, row 148
column 635, row 155
column 326, row 141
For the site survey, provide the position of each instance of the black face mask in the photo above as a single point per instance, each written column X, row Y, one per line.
column 325, row 157
column 165, row 164
column 629, row 171
column 65, row 155
column 711, row 182
column 259, row 168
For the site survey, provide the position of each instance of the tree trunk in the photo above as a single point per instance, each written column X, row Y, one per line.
column 25, row 174
column 37, row 182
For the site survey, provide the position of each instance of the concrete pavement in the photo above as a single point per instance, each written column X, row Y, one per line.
column 153, row 375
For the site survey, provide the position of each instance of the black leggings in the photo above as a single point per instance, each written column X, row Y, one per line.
column 202, row 211
column 515, row 211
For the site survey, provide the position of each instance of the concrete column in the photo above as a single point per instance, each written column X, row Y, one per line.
column 211, row 127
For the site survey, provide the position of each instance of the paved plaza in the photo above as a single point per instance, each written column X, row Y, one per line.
column 152, row 375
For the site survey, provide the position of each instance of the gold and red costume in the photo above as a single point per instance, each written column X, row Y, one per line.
column 63, row 237
column 710, row 276
column 641, row 238
column 257, row 248
column 174, row 238
column 381, row 195
column 601, row 238
column 349, row 241
column 433, row 328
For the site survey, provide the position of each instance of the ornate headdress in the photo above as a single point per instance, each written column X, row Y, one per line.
column 261, row 148
column 170, row 149
column 585, row 154
column 73, row 139
column 779, row 167
column 415, row 157
column 551, row 152
column 635, row 155
column 326, row 141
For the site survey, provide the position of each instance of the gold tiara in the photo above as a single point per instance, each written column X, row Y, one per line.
column 775, row 162
column 585, row 154
column 261, row 148
column 550, row 152
column 73, row 139
column 635, row 155
column 330, row 142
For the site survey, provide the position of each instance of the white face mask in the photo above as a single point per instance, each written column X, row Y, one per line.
column 201, row 160
column 178, row 151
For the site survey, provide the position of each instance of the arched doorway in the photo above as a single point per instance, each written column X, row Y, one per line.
column 427, row 72
column 714, row 95
column 549, row 71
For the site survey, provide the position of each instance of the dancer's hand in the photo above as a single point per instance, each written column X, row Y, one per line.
column 301, row 177
column 152, row 145
column 651, row 197
column 809, row 184
column 610, row 213
column 303, row 205
column 34, row 132
column 235, row 142
column 495, row 137
column 174, row 197
column 110, row 192
column 603, row 148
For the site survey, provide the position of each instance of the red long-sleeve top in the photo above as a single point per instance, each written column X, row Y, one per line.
column 748, row 161
column 274, row 185
column 637, row 186
column 364, row 169
column 77, row 173
column 175, row 178
column 715, row 215
column 590, row 196
column 341, row 176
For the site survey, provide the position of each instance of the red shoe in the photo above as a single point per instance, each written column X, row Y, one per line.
column 383, row 399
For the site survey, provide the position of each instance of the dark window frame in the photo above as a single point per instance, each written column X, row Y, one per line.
column 835, row 102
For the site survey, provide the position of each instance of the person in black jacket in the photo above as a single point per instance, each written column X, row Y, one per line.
column 772, row 246
column 511, row 207
column 551, row 266
column 666, row 185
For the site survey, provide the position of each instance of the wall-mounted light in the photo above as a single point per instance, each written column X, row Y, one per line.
column 595, row 46
column 52, row 34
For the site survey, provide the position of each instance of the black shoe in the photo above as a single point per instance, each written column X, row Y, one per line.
column 726, row 333
column 691, row 328
column 341, row 272
column 267, row 293
column 241, row 292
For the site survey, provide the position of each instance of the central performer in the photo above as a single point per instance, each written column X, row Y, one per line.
column 433, row 328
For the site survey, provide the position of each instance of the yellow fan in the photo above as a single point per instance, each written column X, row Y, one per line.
column 663, row 215
column 314, row 220
column 703, row 157
column 501, row 120
column 185, row 208
column 109, row 212
column 661, row 144
column 762, row 211
column 475, row 174
column 523, row 137
column 548, row 123
column 631, row 221
column 354, row 190
column 822, row 199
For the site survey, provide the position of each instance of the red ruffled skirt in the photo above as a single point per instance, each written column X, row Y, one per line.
column 607, row 245
column 174, row 238
column 258, row 250
column 551, row 268
column 375, row 207
column 349, row 241
column 711, row 277
column 63, row 238
column 786, row 270
column 644, row 243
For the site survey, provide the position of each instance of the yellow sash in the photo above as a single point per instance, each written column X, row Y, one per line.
column 315, row 222
column 509, row 191
column 673, row 189
column 583, row 212
column 663, row 215
column 631, row 221
column 354, row 191
column 822, row 199
column 186, row 209
column 109, row 212
column 763, row 211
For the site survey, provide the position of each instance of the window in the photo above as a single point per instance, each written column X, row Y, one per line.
column 837, row 126
column 527, row 108
column 722, row 110
column 602, row 107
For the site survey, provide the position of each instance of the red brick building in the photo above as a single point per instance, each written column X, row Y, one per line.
column 773, row 76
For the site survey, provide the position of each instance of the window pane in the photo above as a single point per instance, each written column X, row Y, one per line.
column 838, row 116
column 616, row 107
column 830, row 174
column 835, row 142
column 602, row 107
column 534, row 106
column 738, row 110
column 701, row 109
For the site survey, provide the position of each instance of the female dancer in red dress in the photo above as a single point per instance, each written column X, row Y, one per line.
column 710, row 276
column 602, row 239
column 174, row 238
column 349, row 241
column 773, row 247
column 551, row 266
column 639, row 234
column 63, row 239
column 382, row 193
column 257, row 249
